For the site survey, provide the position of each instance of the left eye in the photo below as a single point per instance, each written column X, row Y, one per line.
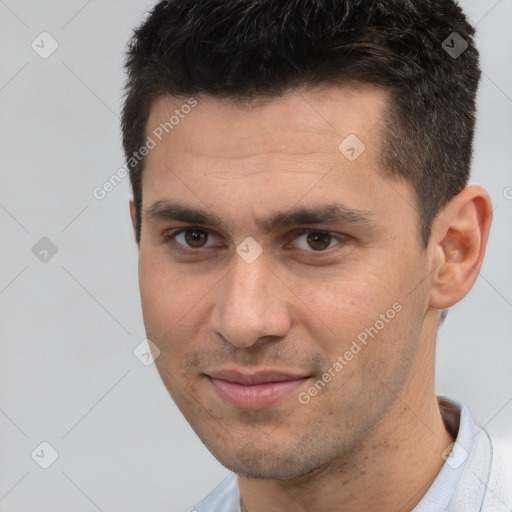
column 316, row 240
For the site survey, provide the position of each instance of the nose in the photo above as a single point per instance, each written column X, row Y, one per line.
column 251, row 304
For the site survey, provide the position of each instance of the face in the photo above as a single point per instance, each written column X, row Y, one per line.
column 280, row 274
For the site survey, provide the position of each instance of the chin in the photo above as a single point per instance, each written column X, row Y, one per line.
column 252, row 461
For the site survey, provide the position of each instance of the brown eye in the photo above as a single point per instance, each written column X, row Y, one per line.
column 195, row 238
column 310, row 240
column 190, row 238
column 318, row 240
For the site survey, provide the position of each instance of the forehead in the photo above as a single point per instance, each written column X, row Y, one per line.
column 302, row 121
column 267, row 157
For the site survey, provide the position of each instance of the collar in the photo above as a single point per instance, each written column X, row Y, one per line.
column 461, row 483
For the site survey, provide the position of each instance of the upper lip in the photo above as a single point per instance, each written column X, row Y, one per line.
column 260, row 377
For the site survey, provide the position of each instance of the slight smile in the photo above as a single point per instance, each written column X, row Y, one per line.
column 254, row 391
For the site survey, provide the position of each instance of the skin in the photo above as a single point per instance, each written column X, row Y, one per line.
column 372, row 438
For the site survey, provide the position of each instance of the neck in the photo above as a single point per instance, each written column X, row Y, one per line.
column 388, row 470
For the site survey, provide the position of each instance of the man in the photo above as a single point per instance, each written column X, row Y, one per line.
column 300, row 170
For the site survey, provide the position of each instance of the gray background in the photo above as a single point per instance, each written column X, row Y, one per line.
column 69, row 325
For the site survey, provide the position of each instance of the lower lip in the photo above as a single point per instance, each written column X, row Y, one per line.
column 258, row 396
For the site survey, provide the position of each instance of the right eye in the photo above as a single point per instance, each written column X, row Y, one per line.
column 189, row 240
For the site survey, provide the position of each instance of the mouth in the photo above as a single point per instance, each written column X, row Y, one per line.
column 254, row 391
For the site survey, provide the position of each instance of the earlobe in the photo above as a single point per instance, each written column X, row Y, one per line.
column 463, row 230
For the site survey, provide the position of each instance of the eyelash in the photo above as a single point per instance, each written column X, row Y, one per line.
column 170, row 236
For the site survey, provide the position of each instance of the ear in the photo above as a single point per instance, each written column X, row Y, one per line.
column 133, row 216
column 459, row 238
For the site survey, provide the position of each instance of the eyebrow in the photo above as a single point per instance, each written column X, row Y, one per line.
column 332, row 213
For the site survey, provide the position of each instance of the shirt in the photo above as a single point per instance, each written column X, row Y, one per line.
column 476, row 475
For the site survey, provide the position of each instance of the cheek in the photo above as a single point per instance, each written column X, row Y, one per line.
column 163, row 295
column 338, row 304
column 175, row 304
column 363, row 311
column 171, row 318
